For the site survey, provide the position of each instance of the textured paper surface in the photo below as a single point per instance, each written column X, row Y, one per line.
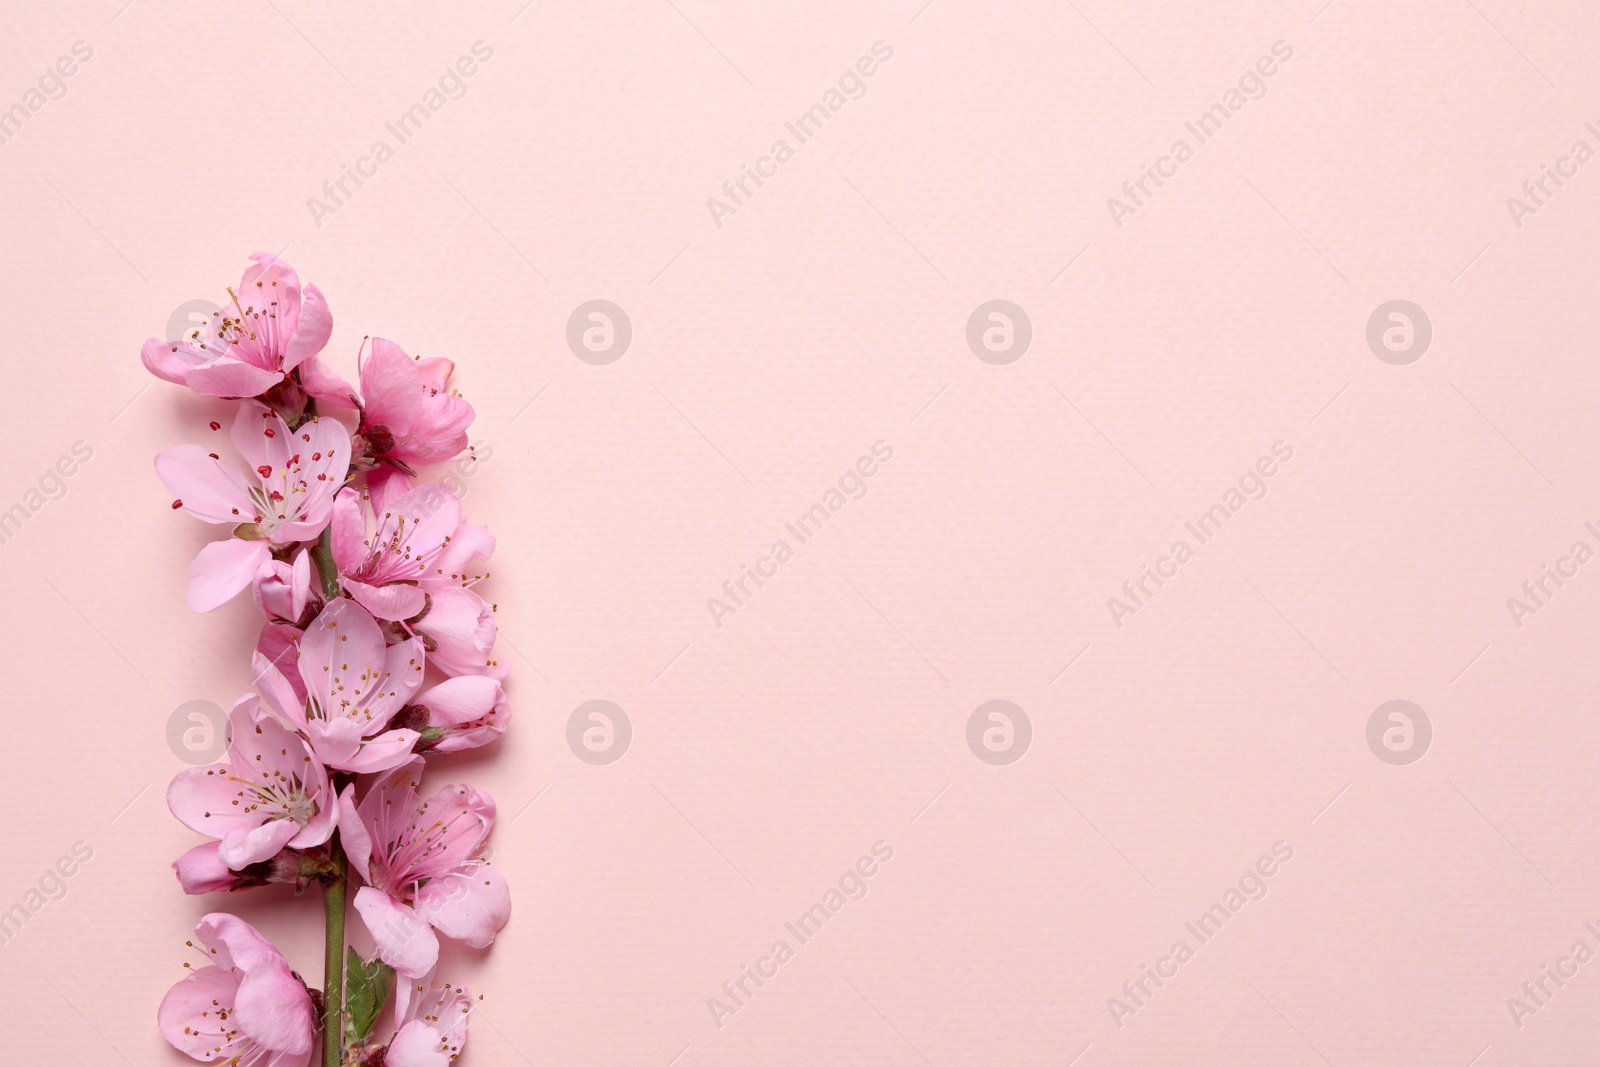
column 1175, row 341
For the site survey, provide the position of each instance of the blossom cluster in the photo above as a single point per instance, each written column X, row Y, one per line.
column 375, row 655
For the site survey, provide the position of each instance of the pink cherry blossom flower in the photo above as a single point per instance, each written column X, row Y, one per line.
column 283, row 590
column 389, row 556
column 287, row 497
column 271, row 793
column 458, row 714
column 268, row 328
column 409, row 416
column 461, row 712
column 421, row 863
column 460, row 632
column 354, row 684
column 201, row 870
column 413, row 561
column 430, row 1024
column 246, row 1007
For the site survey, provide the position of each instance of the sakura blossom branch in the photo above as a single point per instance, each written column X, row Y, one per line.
column 375, row 659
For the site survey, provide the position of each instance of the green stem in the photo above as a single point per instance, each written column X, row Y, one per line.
column 333, row 960
column 322, row 556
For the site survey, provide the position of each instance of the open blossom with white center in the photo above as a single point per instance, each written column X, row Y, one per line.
column 287, row 496
column 269, row 795
column 388, row 558
column 415, row 561
column 354, row 685
column 245, row 1008
column 421, row 863
column 269, row 327
column 430, row 1024
column 464, row 711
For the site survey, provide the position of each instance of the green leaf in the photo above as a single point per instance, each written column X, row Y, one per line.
column 367, row 987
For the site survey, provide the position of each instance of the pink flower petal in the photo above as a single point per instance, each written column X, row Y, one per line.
column 461, row 700
column 165, row 360
column 392, row 387
column 434, row 373
column 222, row 571
column 229, row 376
column 202, row 798
column 342, row 659
column 335, row 741
column 261, row 437
column 394, row 602
column 386, row 484
column 210, row 490
column 468, row 545
column 311, row 330
column 463, row 631
column 191, row 1015
column 405, row 942
column 201, row 870
column 471, row 904
column 382, row 753
column 440, row 433
column 276, row 691
column 273, row 1007
column 240, row 848
column 349, row 524
column 416, row 1044
column 319, row 381
column 353, row 834
column 471, row 710
column 403, row 664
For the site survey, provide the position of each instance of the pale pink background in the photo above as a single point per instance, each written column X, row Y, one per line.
column 768, row 354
